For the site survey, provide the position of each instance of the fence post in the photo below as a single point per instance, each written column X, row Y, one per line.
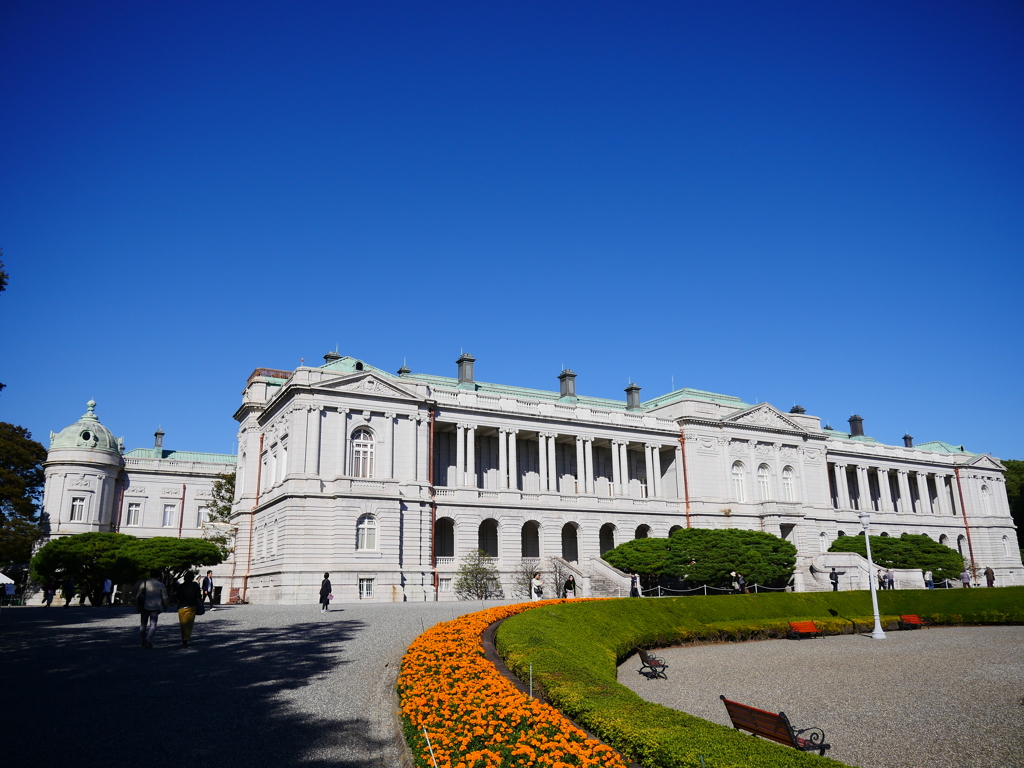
column 659, row 590
column 705, row 590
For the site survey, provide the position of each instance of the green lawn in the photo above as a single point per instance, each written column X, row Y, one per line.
column 575, row 648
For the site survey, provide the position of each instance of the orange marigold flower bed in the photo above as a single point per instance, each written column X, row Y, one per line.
column 475, row 717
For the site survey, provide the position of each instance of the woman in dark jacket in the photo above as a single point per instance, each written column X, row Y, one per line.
column 325, row 592
column 189, row 596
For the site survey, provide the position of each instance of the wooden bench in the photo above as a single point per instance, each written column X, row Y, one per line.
column 775, row 727
column 802, row 629
column 912, row 621
column 653, row 667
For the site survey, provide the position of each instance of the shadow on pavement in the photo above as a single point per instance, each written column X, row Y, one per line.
column 80, row 691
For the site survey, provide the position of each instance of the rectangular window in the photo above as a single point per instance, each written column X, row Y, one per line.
column 365, row 589
column 134, row 513
column 77, row 509
column 169, row 515
column 202, row 516
column 446, row 585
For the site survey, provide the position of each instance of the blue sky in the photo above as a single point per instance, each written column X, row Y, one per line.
column 790, row 202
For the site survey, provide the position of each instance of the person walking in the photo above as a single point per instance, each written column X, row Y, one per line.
column 189, row 600
column 151, row 601
column 536, row 587
column 107, row 591
column 68, row 592
column 208, row 588
column 325, row 593
column 834, row 578
column 965, row 579
column 881, row 579
column 741, row 584
column 929, row 581
column 49, row 590
column 569, row 590
column 890, row 580
column 990, row 576
column 634, row 586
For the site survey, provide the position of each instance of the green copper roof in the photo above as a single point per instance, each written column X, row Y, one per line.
column 87, row 434
column 351, row 365
column 941, row 447
column 209, row 458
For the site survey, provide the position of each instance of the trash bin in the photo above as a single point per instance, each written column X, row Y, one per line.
column 216, row 595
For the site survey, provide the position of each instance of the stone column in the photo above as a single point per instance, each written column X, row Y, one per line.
column 864, row 486
column 314, row 420
column 581, row 467
column 884, row 494
column 954, row 493
column 345, row 460
column 503, row 458
column 906, row 500
column 656, row 468
column 588, row 457
column 471, row 456
column 941, row 495
column 680, row 491
column 842, row 489
column 922, row 493
column 552, row 464
column 616, row 468
column 389, row 428
column 542, row 460
column 513, row 460
column 460, row 454
column 624, row 463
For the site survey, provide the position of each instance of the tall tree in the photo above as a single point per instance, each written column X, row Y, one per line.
column 88, row 559
column 21, row 489
column 220, row 532
column 1015, row 494
column 173, row 556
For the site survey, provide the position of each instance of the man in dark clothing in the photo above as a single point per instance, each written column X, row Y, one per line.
column 834, row 578
column 208, row 587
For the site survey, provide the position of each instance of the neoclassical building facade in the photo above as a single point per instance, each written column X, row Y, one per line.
column 388, row 480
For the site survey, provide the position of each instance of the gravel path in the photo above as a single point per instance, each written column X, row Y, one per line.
column 947, row 697
column 258, row 686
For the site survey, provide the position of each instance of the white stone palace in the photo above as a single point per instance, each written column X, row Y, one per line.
column 388, row 480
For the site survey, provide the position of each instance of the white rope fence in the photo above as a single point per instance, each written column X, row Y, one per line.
column 661, row 591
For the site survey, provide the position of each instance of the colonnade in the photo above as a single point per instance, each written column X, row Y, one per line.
column 896, row 490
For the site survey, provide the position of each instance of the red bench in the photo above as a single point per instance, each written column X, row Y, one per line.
column 775, row 727
column 912, row 621
column 802, row 629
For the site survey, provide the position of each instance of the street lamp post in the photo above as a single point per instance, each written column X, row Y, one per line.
column 878, row 633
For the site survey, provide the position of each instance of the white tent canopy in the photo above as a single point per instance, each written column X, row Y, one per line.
column 6, row 579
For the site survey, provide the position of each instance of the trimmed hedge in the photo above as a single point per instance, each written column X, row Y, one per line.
column 576, row 647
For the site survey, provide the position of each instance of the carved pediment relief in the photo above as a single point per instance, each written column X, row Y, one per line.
column 368, row 383
column 764, row 415
column 985, row 462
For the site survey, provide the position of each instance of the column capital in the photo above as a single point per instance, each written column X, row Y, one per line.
column 343, row 411
column 512, row 430
column 390, row 415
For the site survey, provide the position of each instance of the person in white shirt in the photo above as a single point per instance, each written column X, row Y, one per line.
column 151, row 601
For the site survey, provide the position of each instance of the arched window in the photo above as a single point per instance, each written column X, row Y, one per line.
column 531, row 539
column 960, row 541
column 842, row 533
column 444, row 537
column 570, row 543
column 788, row 484
column 366, row 533
column 606, row 538
column 944, row 539
column 674, row 528
column 885, row 535
column 642, row 532
column 1006, row 546
column 487, row 537
column 764, row 482
column 738, row 481
column 362, row 453
column 986, row 500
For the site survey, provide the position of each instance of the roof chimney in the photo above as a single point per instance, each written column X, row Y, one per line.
column 632, row 397
column 856, row 426
column 567, row 385
column 158, row 443
column 330, row 357
column 908, row 441
column 798, row 409
column 465, row 362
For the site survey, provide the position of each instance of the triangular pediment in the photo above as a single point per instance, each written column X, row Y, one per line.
column 763, row 416
column 365, row 383
column 984, row 461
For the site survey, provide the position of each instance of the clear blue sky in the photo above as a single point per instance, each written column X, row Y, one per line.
column 788, row 202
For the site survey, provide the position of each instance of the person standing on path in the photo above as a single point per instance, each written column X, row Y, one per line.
column 929, row 582
column 834, row 578
column 68, row 592
column 965, row 579
column 208, row 587
column 325, row 593
column 634, row 586
column 49, row 591
column 890, row 580
column 569, row 590
column 189, row 598
column 152, row 601
column 990, row 576
column 536, row 588
column 107, row 591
